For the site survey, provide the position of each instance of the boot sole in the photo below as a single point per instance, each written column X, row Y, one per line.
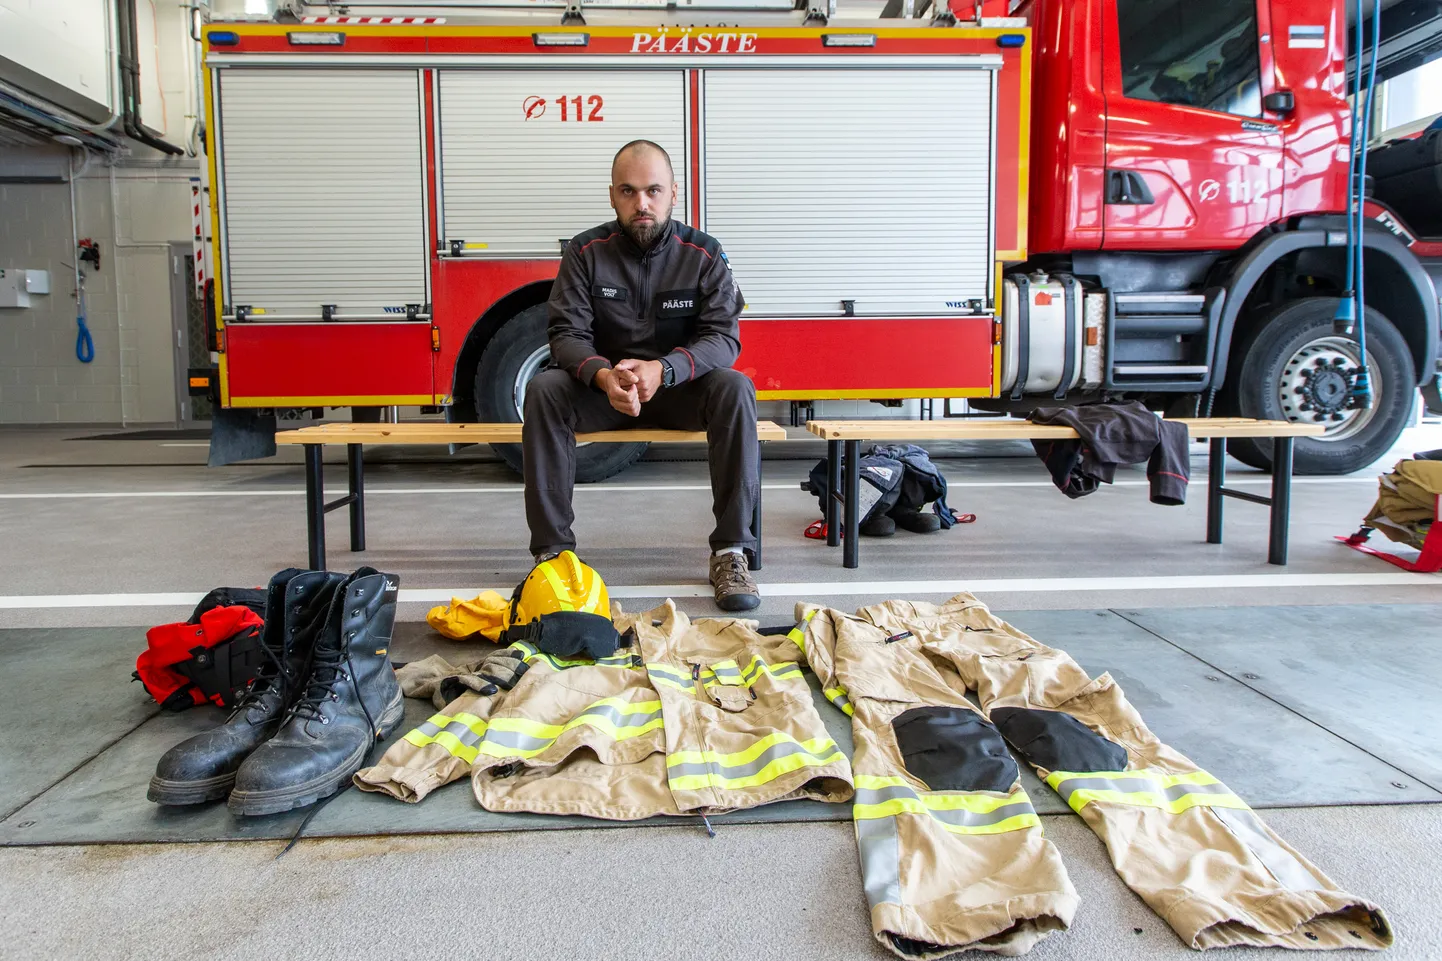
column 255, row 803
column 180, row 793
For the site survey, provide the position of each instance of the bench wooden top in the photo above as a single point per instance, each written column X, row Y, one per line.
column 1025, row 430
column 438, row 432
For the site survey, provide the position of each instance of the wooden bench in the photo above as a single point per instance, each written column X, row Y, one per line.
column 843, row 455
column 355, row 437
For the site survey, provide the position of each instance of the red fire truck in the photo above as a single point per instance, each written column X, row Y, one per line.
column 1077, row 200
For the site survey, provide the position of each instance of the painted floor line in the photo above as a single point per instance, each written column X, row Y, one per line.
column 813, row 589
column 598, row 488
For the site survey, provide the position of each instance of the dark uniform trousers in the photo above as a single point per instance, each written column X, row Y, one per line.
column 721, row 402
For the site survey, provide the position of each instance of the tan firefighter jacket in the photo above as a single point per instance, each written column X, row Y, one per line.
column 693, row 718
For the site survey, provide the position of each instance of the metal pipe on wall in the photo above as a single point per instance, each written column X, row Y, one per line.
column 112, row 79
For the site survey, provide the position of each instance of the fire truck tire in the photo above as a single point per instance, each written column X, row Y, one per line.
column 516, row 353
column 1294, row 367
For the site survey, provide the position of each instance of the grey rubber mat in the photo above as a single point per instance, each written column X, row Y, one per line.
column 65, row 696
column 1273, row 747
column 1369, row 673
column 104, row 801
column 1269, row 755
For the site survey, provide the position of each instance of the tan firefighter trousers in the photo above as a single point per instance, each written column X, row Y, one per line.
column 952, row 853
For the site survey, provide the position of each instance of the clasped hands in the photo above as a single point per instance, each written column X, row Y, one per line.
column 630, row 383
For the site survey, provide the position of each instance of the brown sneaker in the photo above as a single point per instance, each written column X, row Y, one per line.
column 735, row 590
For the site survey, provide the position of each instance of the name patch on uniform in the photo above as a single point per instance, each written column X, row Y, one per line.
column 679, row 303
column 608, row 292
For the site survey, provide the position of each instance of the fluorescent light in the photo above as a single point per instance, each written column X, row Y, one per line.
column 848, row 39
column 316, row 38
column 561, row 39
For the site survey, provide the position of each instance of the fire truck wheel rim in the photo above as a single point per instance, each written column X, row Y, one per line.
column 530, row 367
column 1316, row 384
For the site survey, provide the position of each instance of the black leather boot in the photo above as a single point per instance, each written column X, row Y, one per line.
column 203, row 767
column 351, row 700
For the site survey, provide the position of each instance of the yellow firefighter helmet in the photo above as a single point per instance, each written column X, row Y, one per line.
column 563, row 583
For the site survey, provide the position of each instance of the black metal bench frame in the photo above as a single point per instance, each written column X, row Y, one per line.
column 843, row 480
column 316, row 507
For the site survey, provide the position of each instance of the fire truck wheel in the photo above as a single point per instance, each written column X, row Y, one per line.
column 518, row 351
column 1294, row 367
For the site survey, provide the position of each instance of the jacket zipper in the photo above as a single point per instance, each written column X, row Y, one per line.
column 643, row 306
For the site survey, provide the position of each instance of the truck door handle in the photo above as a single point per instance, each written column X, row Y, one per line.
column 1128, row 187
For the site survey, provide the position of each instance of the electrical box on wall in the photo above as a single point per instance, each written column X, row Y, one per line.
column 16, row 285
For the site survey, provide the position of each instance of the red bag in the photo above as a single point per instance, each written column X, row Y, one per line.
column 187, row 645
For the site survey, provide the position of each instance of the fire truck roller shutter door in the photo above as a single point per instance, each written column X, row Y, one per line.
column 320, row 175
column 803, row 189
column 526, row 154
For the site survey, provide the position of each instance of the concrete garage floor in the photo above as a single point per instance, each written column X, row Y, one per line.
column 1310, row 690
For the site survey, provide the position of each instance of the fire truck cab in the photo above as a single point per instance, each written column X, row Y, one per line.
column 1067, row 200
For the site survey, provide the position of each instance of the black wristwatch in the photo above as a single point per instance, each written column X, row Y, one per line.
column 668, row 373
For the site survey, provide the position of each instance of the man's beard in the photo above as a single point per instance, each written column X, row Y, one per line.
column 645, row 234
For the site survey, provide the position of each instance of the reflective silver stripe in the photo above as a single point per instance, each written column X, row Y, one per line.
column 674, row 679
column 752, row 767
column 530, row 742
column 730, row 673
column 457, row 729
column 880, row 849
column 958, row 817
column 1249, row 829
column 1132, row 785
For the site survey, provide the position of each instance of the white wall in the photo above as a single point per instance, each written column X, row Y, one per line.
column 168, row 100
column 63, row 41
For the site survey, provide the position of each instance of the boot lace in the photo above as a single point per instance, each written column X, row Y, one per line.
column 268, row 678
column 326, row 669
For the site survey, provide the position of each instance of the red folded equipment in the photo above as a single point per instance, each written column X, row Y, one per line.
column 211, row 657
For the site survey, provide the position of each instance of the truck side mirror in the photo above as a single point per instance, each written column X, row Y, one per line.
column 1280, row 101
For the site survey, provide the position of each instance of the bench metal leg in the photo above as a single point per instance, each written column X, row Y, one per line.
column 1216, row 480
column 833, row 492
column 850, row 549
column 753, row 557
column 315, row 507
column 355, row 464
column 1281, row 499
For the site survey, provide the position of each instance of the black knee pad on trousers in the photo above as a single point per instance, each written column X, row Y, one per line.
column 1058, row 742
column 953, row 749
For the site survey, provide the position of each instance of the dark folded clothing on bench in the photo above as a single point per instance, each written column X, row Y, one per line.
column 1112, row 434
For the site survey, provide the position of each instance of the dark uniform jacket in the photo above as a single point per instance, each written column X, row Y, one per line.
column 1112, row 434
column 676, row 300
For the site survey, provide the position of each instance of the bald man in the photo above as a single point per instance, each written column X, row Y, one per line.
column 643, row 331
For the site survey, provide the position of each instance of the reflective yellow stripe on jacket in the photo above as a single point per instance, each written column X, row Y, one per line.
column 836, row 695
column 798, row 633
column 724, row 673
column 956, row 811
column 770, row 757
column 459, row 734
column 466, row 736
column 1174, row 793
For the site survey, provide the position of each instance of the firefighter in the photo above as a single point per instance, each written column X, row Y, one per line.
column 643, row 331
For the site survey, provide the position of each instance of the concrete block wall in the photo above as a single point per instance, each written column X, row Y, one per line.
column 131, row 380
